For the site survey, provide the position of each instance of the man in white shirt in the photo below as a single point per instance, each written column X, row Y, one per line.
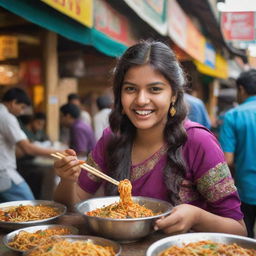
column 100, row 119
column 12, row 185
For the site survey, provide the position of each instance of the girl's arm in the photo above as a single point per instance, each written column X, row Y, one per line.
column 185, row 217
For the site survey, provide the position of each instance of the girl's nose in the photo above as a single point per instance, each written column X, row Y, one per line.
column 142, row 98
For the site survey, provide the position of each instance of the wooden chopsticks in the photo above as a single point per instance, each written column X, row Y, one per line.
column 90, row 169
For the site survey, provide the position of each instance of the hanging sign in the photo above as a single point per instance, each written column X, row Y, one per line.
column 177, row 24
column 210, row 55
column 238, row 26
column 108, row 21
column 79, row 10
column 8, row 47
column 151, row 11
column 195, row 42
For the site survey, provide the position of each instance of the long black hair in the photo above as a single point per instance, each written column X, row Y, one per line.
column 118, row 153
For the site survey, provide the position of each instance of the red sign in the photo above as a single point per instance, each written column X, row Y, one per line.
column 30, row 72
column 110, row 22
column 238, row 26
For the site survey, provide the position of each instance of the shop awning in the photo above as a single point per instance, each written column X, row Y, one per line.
column 47, row 17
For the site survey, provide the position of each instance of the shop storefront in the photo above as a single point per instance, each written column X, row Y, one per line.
column 54, row 21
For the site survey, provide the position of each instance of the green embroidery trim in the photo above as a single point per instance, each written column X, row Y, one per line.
column 142, row 169
column 216, row 183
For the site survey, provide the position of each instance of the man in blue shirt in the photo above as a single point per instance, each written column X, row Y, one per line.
column 197, row 111
column 238, row 140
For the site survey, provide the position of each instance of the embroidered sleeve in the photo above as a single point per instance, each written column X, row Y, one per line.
column 210, row 177
column 216, row 184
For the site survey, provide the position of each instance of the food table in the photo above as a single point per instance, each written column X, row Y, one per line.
column 132, row 249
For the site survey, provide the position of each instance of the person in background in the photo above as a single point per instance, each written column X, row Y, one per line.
column 82, row 138
column 74, row 98
column 34, row 126
column 238, row 140
column 163, row 154
column 197, row 111
column 100, row 119
column 12, row 185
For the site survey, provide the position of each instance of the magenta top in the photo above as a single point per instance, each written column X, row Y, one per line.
column 207, row 184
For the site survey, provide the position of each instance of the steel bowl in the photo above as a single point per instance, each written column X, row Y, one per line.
column 10, row 236
column 179, row 240
column 16, row 225
column 122, row 230
column 94, row 239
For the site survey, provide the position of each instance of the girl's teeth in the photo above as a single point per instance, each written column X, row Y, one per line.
column 143, row 112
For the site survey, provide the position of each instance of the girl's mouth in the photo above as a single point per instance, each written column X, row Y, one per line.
column 143, row 112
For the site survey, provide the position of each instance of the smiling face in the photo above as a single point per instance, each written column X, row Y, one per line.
column 146, row 97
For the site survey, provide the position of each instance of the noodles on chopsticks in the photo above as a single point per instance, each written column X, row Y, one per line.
column 24, row 213
column 26, row 240
column 63, row 247
column 208, row 248
column 126, row 208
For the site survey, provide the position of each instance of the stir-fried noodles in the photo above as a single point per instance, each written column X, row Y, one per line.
column 126, row 208
column 62, row 247
column 26, row 240
column 24, row 213
column 208, row 248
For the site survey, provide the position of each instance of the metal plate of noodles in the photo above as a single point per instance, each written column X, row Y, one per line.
column 179, row 240
column 60, row 208
column 72, row 238
column 10, row 236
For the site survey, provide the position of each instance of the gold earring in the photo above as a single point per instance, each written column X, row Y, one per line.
column 172, row 110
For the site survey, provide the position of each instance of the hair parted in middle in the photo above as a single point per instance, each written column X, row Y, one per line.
column 162, row 59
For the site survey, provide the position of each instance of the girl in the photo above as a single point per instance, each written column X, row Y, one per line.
column 151, row 142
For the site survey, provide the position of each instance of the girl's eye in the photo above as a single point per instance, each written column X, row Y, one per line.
column 129, row 89
column 155, row 89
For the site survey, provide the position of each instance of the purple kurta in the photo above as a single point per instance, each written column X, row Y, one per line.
column 208, row 183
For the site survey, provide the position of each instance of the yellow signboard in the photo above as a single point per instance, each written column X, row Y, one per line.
column 79, row 10
column 220, row 70
column 38, row 94
column 8, row 47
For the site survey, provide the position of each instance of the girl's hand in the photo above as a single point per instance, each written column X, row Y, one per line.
column 182, row 218
column 68, row 167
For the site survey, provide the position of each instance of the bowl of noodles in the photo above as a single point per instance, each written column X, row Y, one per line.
column 125, row 218
column 200, row 244
column 106, row 217
column 24, row 239
column 76, row 245
column 20, row 214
